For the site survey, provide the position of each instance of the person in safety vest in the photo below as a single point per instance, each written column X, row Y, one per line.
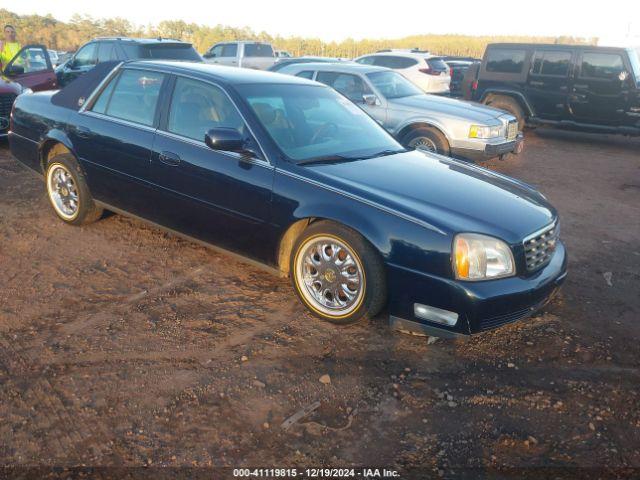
column 9, row 48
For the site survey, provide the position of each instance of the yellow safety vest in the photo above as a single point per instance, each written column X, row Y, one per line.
column 9, row 50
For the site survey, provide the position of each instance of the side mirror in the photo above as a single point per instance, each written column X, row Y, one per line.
column 225, row 139
column 370, row 99
column 14, row 70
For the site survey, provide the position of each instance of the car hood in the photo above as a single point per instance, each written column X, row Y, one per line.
column 449, row 106
column 449, row 195
column 9, row 86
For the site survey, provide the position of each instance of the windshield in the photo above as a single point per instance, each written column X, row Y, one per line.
column 310, row 122
column 393, row 85
column 634, row 56
column 167, row 51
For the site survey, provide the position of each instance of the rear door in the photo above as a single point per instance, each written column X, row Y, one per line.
column 227, row 55
column 220, row 197
column 114, row 139
column 32, row 68
column 547, row 87
column 257, row 55
column 600, row 88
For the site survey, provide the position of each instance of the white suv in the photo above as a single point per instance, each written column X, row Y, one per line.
column 429, row 72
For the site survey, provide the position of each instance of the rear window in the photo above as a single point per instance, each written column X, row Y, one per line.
column 505, row 60
column 163, row 51
column 554, row 63
column 601, row 65
column 258, row 50
column 391, row 61
column 437, row 64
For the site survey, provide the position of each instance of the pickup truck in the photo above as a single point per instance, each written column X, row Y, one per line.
column 576, row 87
column 246, row 54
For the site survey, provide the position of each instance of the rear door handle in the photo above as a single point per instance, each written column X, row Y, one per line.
column 169, row 158
column 83, row 132
column 580, row 86
column 536, row 83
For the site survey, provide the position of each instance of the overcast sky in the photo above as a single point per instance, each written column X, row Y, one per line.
column 340, row 19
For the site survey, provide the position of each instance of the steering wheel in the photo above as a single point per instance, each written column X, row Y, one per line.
column 324, row 130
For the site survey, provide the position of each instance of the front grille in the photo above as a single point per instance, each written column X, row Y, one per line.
column 539, row 247
column 6, row 102
column 512, row 130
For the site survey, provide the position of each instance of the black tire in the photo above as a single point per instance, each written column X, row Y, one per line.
column 509, row 105
column 373, row 295
column 438, row 142
column 86, row 210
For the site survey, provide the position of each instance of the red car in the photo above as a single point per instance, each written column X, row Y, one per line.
column 31, row 69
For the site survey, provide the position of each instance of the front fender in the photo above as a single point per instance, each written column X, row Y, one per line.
column 419, row 120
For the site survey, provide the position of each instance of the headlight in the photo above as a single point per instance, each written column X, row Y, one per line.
column 480, row 257
column 480, row 131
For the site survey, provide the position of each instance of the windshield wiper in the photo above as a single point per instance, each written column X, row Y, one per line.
column 329, row 159
column 343, row 158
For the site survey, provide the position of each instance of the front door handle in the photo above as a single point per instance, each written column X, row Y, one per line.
column 169, row 158
column 83, row 132
column 536, row 83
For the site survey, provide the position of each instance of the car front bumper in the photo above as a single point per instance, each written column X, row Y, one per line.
column 480, row 306
column 490, row 150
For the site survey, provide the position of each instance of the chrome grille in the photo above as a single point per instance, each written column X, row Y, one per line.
column 6, row 102
column 512, row 130
column 539, row 247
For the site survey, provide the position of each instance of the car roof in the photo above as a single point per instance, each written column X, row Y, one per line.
column 344, row 67
column 221, row 74
column 549, row 46
column 144, row 41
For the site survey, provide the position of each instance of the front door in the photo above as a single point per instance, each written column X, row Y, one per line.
column 83, row 61
column 547, row 87
column 32, row 68
column 600, row 89
column 220, row 197
column 114, row 138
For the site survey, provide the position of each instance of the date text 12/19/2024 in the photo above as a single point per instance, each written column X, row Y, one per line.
column 315, row 473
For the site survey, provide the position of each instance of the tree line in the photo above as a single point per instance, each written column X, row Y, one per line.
column 69, row 36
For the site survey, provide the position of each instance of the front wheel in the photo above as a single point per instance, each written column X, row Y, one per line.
column 337, row 274
column 68, row 191
column 427, row 138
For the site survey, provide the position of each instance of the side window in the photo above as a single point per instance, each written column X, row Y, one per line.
column 216, row 51
column 87, row 55
column 229, row 50
column 391, row 61
column 105, row 52
column 351, row 86
column 607, row 66
column 305, row 74
column 258, row 50
column 552, row 63
column 505, row 60
column 102, row 103
column 366, row 60
column 32, row 59
column 197, row 107
column 134, row 97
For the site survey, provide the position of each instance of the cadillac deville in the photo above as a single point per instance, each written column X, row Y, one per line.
column 292, row 174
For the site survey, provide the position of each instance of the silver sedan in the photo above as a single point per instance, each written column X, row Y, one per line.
column 418, row 120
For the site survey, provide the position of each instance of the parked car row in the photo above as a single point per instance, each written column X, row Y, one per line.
column 291, row 173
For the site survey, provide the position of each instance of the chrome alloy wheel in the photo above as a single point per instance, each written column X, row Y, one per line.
column 62, row 191
column 330, row 276
column 423, row 143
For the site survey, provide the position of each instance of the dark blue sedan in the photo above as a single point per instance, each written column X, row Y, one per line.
column 288, row 172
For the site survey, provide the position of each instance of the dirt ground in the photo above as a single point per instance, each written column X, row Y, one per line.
column 121, row 345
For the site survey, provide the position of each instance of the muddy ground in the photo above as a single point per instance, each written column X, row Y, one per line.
column 121, row 345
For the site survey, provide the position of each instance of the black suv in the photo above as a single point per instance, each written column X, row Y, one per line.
column 119, row 48
column 580, row 87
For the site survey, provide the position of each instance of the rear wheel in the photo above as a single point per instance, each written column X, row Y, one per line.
column 509, row 105
column 68, row 191
column 427, row 138
column 337, row 274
